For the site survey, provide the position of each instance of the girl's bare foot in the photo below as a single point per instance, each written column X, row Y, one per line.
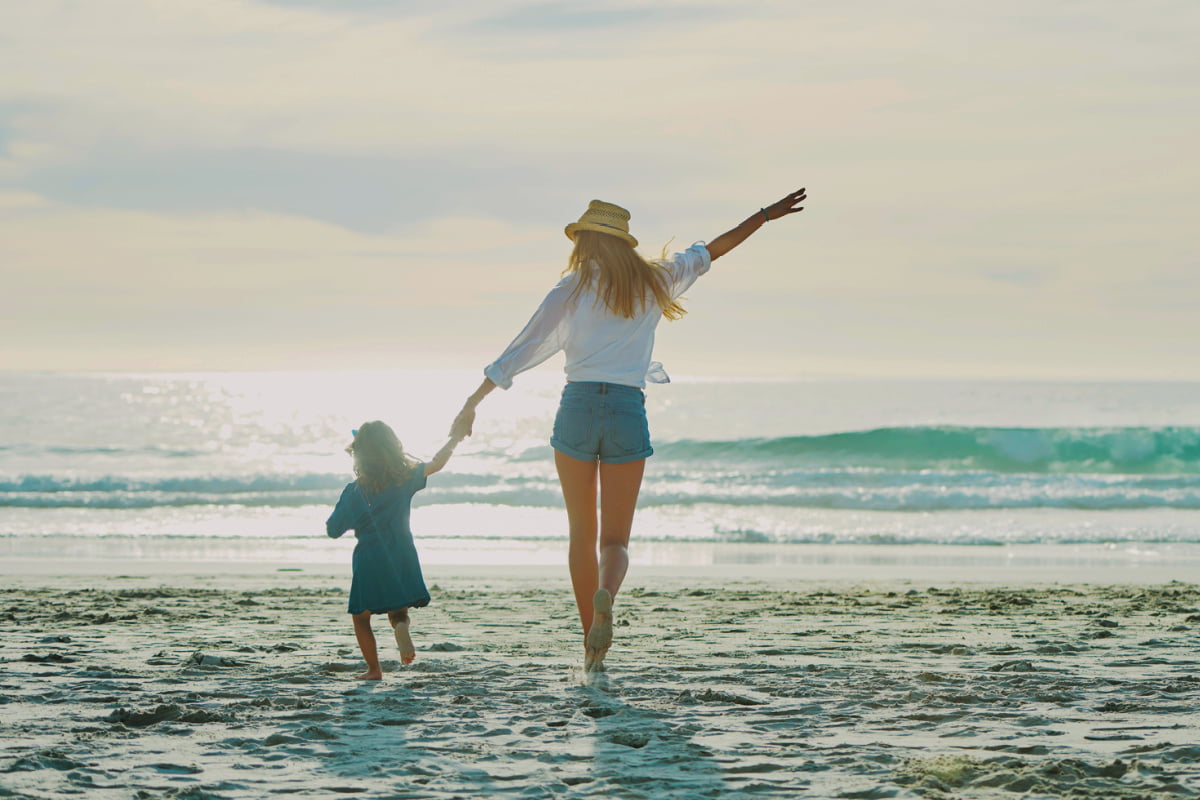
column 370, row 675
column 599, row 637
column 408, row 653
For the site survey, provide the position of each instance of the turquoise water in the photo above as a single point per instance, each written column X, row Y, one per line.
column 260, row 456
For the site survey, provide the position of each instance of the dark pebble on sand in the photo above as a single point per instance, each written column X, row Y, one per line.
column 689, row 697
column 632, row 739
column 140, row 719
column 598, row 712
column 202, row 659
column 49, row 658
column 281, row 738
column 46, row 759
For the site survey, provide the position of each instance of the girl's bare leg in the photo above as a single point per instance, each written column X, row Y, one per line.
column 366, row 643
column 400, row 622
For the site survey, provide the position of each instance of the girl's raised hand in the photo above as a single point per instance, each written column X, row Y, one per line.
column 788, row 205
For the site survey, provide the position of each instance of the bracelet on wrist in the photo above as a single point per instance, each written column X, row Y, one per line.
column 766, row 216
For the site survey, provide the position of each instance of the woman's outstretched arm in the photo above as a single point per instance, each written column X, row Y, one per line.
column 542, row 337
column 735, row 236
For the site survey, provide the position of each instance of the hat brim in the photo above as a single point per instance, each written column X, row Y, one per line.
column 599, row 228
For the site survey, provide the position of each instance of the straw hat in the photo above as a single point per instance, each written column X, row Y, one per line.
column 603, row 218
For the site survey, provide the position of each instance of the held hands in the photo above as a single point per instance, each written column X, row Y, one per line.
column 463, row 423
column 788, row 205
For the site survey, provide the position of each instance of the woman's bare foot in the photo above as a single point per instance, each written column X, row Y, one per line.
column 408, row 653
column 370, row 675
column 599, row 637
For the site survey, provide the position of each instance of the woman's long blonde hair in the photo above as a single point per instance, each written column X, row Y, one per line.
column 379, row 459
column 624, row 280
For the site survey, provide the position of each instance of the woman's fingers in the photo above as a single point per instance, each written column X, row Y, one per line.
column 789, row 204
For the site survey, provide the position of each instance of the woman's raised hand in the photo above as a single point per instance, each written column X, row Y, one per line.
column 735, row 236
column 788, row 205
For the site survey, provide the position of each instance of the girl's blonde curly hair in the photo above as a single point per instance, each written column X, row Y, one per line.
column 379, row 459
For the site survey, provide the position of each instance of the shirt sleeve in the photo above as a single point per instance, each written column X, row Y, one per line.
column 542, row 337
column 346, row 513
column 418, row 480
column 686, row 267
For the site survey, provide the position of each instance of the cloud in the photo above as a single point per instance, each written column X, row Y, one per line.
column 584, row 22
column 364, row 193
column 227, row 75
column 91, row 287
column 218, row 172
column 87, row 287
column 21, row 200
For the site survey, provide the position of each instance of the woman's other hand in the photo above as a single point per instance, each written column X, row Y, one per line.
column 465, row 420
column 463, row 423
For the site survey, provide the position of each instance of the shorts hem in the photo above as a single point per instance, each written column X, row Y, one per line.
column 627, row 459
column 581, row 455
column 566, row 450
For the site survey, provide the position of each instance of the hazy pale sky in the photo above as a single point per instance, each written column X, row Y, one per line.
column 996, row 189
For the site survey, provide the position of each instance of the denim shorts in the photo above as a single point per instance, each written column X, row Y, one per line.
column 602, row 421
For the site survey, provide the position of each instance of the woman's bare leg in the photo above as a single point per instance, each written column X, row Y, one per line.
column 591, row 575
column 619, row 488
column 578, row 481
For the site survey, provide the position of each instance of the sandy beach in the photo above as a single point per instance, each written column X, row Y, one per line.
column 238, row 685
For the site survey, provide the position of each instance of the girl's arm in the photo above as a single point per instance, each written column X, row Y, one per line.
column 465, row 420
column 345, row 513
column 442, row 456
column 735, row 236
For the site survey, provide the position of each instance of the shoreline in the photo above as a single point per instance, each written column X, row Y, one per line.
column 31, row 562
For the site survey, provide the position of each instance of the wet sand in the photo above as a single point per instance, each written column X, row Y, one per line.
column 240, row 686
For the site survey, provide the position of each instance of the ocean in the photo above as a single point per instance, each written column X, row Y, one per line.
column 230, row 464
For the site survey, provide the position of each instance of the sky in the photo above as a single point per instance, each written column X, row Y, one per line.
column 995, row 190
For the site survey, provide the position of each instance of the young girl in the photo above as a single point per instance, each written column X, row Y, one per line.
column 387, row 574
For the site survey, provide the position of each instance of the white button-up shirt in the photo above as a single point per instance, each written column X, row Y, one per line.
column 599, row 345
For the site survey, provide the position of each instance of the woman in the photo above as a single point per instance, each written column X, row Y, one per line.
column 603, row 314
